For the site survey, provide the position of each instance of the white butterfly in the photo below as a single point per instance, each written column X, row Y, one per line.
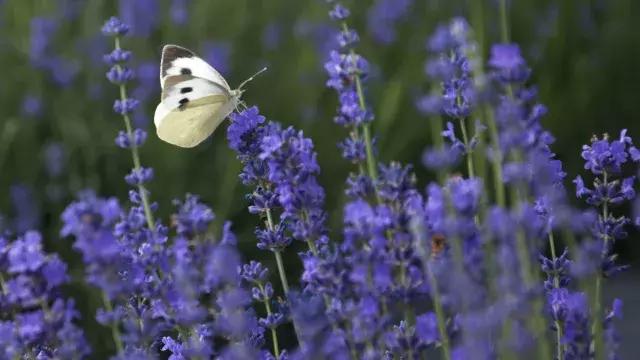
column 195, row 98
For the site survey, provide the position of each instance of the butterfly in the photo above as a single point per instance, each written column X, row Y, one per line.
column 195, row 98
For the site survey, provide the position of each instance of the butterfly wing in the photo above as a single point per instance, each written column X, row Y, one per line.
column 180, row 90
column 195, row 98
column 188, row 126
column 177, row 60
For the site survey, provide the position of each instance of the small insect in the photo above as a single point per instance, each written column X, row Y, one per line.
column 195, row 98
column 438, row 244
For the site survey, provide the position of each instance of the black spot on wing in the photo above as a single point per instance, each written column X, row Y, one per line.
column 172, row 52
column 185, row 90
column 185, row 71
column 183, row 102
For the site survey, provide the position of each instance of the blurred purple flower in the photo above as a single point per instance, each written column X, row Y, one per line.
column 32, row 106
column 179, row 11
column 26, row 208
column 383, row 16
column 54, row 159
column 508, row 63
column 272, row 36
column 218, row 54
column 42, row 30
column 142, row 16
column 115, row 27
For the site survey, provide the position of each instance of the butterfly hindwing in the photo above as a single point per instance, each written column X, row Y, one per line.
column 177, row 61
column 189, row 126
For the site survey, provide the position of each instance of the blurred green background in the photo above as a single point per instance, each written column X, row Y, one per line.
column 57, row 128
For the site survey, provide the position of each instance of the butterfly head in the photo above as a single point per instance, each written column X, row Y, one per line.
column 236, row 93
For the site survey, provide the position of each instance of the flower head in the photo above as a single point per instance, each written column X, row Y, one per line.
column 114, row 27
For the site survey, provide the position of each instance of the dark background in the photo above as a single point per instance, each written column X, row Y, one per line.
column 57, row 126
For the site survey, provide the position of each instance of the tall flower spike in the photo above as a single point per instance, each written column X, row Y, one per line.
column 347, row 71
column 605, row 159
column 450, row 64
column 120, row 75
column 281, row 165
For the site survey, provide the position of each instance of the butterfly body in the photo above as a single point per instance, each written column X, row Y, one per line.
column 195, row 98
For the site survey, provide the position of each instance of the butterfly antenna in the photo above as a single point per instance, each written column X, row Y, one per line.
column 252, row 77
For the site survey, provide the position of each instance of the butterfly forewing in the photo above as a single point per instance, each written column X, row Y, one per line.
column 177, row 60
column 179, row 90
column 170, row 53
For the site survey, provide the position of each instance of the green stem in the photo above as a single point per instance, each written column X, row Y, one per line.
column 371, row 161
column 465, row 139
column 278, row 255
column 283, row 275
column 436, row 137
column 556, row 284
column 496, row 164
column 274, row 335
column 597, row 307
column 115, row 332
column 134, row 151
column 440, row 316
column 504, row 23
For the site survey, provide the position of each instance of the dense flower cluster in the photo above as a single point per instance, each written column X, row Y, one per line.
column 36, row 322
column 451, row 269
column 153, row 283
column 282, row 165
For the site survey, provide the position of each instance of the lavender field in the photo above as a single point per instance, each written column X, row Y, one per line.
column 403, row 179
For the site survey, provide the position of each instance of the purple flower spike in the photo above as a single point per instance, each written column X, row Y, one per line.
column 126, row 106
column 120, row 75
column 339, row 12
column 117, row 56
column 114, row 27
column 139, row 176
column 508, row 63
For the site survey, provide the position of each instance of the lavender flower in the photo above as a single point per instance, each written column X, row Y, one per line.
column 26, row 208
column 262, row 291
column 61, row 70
column 347, row 71
column 282, row 163
column 140, row 16
column 179, row 11
column 218, row 54
column 410, row 272
column 382, row 17
column 509, row 64
column 451, row 63
column 120, row 75
column 54, row 154
column 32, row 106
column 605, row 158
column 42, row 30
column 37, row 320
